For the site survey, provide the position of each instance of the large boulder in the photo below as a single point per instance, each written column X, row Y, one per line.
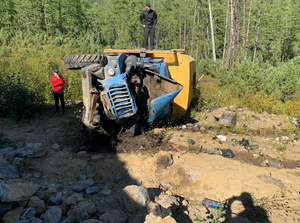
column 82, row 185
column 7, row 170
column 135, row 197
column 17, row 190
column 37, row 204
column 53, row 215
column 13, row 215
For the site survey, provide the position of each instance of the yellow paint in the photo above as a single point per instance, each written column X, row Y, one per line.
column 181, row 67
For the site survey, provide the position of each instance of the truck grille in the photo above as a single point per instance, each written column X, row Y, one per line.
column 121, row 102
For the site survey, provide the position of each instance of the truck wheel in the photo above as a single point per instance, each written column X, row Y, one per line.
column 83, row 60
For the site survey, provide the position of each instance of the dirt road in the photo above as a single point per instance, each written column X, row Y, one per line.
column 253, row 193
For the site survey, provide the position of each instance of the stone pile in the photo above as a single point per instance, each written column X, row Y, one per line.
column 24, row 200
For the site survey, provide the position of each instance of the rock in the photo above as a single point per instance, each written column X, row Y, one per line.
column 81, row 154
column 37, row 175
column 82, row 185
column 169, row 202
column 185, row 203
column 32, row 150
column 158, row 131
column 45, row 195
column 17, row 190
column 37, row 204
column 23, row 221
column 70, row 219
column 6, row 150
column 228, row 119
column 8, row 170
column 111, row 202
column 56, row 198
column 92, row 221
column 135, row 197
column 189, row 126
column 97, row 157
column 17, row 161
column 164, row 185
column 28, row 213
column 53, row 215
column 91, row 171
column 151, row 218
column 13, row 216
column 35, row 220
column 272, row 163
column 10, row 157
column 106, row 191
column 217, row 113
column 202, row 129
column 4, row 208
column 69, row 201
column 56, row 147
column 117, row 216
column 78, row 197
column 82, row 211
column 92, row 190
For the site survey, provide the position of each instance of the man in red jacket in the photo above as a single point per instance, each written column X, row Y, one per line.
column 57, row 83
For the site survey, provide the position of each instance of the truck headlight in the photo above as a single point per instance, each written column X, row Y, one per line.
column 111, row 71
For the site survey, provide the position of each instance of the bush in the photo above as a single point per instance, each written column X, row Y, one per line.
column 262, row 87
column 16, row 100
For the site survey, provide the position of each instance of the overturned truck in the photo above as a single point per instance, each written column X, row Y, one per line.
column 132, row 88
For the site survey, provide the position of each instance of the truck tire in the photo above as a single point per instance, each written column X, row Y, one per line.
column 83, row 60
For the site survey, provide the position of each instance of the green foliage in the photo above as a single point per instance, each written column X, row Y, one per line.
column 262, row 87
column 17, row 100
column 281, row 149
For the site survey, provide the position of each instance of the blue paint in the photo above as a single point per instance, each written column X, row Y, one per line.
column 158, row 105
column 122, row 104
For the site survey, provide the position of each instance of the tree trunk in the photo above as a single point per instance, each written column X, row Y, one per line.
column 257, row 33
column 248, row 28
column 237, row 28
column 231, row 34
column 197, row 44
column 207, row 36
column 285, row 43
column 244, row 30
column 212, row 32
column 212, row 11
column 180, row 35
column 225, row 35
column 184, row 37
column 193, row 32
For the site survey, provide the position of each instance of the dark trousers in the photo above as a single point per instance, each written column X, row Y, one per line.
column 59, row 95
column 149, row 30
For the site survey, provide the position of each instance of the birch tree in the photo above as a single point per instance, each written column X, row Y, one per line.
column 257, row 33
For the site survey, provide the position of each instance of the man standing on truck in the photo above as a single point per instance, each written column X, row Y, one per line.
column 57, row 83
column 148, row 19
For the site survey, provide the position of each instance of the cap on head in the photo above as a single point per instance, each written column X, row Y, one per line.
column 148, row 5
column 55, row 71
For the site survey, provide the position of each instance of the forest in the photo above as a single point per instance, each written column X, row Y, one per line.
column 250, row 47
